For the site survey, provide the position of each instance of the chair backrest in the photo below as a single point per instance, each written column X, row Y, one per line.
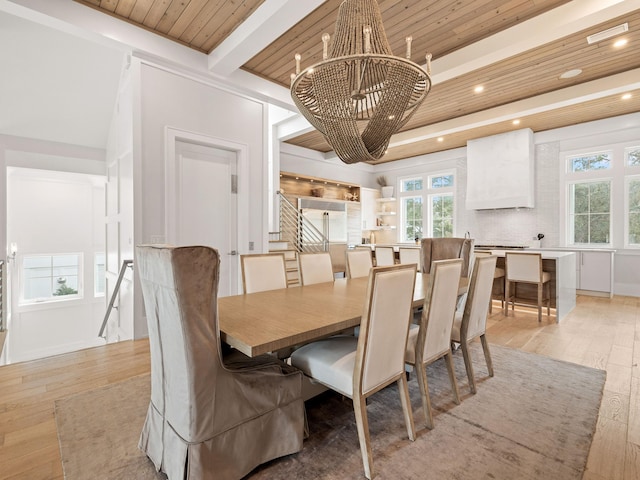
column 523, row 267
column 337, row 252
column 434, row 337
column 385, row 256
column 180, row 292
column 474, row 317
column 359, row 262
column 434, row 249
column 315, row 268
column 263, row 271
column 384, row 327
column 410, row 255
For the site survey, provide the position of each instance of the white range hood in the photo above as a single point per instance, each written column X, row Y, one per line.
column 500, row 171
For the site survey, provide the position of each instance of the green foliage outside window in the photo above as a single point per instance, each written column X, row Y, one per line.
column 585, row 163
column 413, row 218
column 442, row 181
column 442, row 207
column 591, row 210
column 634, row 212
column 412, row 185
column 633, row 156
column 63, row 288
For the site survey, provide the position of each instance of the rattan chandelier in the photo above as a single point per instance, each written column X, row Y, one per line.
column 360, row 94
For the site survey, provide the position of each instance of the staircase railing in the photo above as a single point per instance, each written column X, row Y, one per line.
column 298, row 230
column 116, row 290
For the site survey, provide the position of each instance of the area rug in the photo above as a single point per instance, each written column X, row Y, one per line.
column 534, row 419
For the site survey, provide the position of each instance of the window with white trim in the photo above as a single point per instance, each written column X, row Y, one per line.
column 99, row 279
column 49, row 278
column 427, row 212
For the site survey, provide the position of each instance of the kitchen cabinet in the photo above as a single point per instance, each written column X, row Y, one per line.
column 594, row 272
column 368, row 205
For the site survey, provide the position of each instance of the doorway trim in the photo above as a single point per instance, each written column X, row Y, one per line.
column 241, row 150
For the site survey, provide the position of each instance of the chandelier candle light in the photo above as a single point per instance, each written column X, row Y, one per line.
column 360, row 94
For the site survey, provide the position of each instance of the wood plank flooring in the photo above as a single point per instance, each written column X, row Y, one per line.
column 601, row 333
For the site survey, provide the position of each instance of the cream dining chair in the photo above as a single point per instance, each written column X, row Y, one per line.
column 410, row 255
column 359, row 262
column 315, row 268
column 358, row 367
column 212, row 413
column 472, row 323
column 498, row 275
column 263, row 271
column 385, row 256
column 526, row 268
column 431, row 340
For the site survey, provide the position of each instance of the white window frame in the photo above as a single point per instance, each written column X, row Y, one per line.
column 571, row 213
column 427, row 194
column 96, row 281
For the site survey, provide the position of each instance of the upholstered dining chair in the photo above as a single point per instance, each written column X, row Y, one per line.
column 472, row 323
column 358, row 367
column 385, row 256
column 410, row 255
column 263, row 271
column 498, row 281
column 431, row 340
column 521, row 267
column 433, row 249
column 210, row 415
column 359, row 262
column 315, row 268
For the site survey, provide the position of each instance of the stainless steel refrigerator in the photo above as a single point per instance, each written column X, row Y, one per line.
column 330, row 218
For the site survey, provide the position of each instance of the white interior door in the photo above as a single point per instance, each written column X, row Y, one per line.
column 206, row 205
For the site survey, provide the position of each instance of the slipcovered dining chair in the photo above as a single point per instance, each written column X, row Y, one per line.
column 210, row 416
column 385, row 256
column 472, row 323
column 526, row 268
column 263, row 271
column 315, row 268
column 359, row 262
column 431, row 340
column 358, row 367
column 433, row 249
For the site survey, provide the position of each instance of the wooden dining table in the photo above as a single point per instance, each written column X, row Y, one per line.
column 262, row 322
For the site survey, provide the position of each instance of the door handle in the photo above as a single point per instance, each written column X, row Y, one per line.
column 233, row 252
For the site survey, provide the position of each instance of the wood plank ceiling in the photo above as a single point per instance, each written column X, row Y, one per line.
column 437, row 26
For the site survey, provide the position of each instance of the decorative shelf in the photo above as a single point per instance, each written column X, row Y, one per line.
column 385, row 227
column 387, row 199
column 385, row 213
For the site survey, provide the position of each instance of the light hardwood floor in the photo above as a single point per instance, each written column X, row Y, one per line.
column 600, row 333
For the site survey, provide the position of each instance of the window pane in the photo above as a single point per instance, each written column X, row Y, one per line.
column 599, row 197
column 585, row 163
column 49, row 276
column 442, row 181
column 581, row 198
column 581, row 229
column 599, row 228
column 99, row 272
column 412, row 216
column 591, row 212
column 412, row 185
column 634, row 212
column 442, row 210
column 633, row 156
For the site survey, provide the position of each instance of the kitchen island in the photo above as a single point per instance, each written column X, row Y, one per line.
column 562, row 267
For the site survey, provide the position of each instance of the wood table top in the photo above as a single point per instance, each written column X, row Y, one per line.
column 264, row 322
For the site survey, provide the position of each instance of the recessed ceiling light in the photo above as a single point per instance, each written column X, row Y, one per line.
column 608, row 33
column 620, row 43
column 626, row 96
column 441, row 139
column 478, row 89
column 571, row 73
column 516, row 122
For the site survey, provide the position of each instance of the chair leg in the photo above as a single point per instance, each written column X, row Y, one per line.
column 548, row 298
column 406, row 407
column 487, row 354
column 448, row 358
column 421, row 372
column 362, row 424
column 468, row 366
column 539, row 302
column 506, row 298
